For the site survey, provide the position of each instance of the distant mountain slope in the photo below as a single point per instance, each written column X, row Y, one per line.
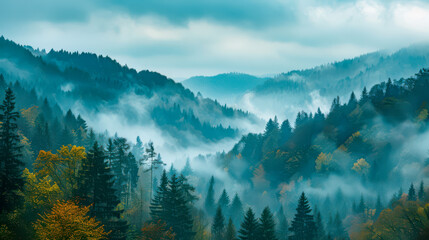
column 226, row 87
column 290, row 92
column 99, row 87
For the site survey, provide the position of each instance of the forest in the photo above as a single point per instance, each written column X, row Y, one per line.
column 60, row 179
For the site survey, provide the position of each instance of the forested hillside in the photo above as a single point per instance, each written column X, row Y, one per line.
column 92, row 84
column 311, row 88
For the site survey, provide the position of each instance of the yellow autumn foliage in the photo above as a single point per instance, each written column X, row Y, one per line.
column 361, row 166
column 323, row 162
column 69, row 221
column 62, row 167
column 40, row 193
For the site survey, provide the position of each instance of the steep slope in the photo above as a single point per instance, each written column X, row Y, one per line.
column 100, row 88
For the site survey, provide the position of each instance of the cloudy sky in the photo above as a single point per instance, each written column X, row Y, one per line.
column 182, row 38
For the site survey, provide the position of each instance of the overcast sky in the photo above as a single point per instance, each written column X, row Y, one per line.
column 182, row 38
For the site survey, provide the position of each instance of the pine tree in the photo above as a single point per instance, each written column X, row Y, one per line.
column 218, row 226
column 11, row 181
column 223, row 201
column 282, row 226
column 320, row 229
column 267, row 226
column 236, row 210
column 187, row 189
column 119, row 165
column 95, row 189
column 412, row 193
column 303, row 225
column 157, row 210
column 177, row 211
column 249, row 227
column 421, row 192
column 210, row 202
column 230, row 233
column 187, row 169
column 285, row 132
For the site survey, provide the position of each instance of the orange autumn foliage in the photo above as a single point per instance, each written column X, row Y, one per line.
column 68, row 221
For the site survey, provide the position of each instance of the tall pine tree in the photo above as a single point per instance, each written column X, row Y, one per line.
column 210, row 202
column 218, row 226
column 236, row 210
column 96, row 190
column 11, row 181
column 230, row 233
column 303, row 225
column 249, row 227
column 267, row 226
column 421, row 192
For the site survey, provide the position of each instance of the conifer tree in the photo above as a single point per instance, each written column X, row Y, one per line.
column 157, row 210
column 95, row 189
column 223, row 201
column 11, row 180
column 177, row 211
column 230, row 233
column 236, row 210
column 218, row 226
column 267, row 226
column 320, row 229
column 285, row 131
column 249, row 227
column 412, row 193
column 421, row 192
column 282, row 226
column 303, row 225
column 187, row 169
column 210, row 202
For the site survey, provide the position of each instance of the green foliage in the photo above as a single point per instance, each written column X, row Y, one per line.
column 11, row 181
column 249, row 227
column 303, row 226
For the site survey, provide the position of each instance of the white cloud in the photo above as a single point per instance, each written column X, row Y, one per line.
column 202, row 46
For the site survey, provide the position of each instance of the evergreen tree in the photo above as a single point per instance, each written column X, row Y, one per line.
column 320, row 229
column 282, row 226
column 249, row 227
column 364, row 96
column 157, row 210
column 11, row 181
column 177, row 211
column 210, row 202
column 267, row 226
column 218, row 226
column 119, row 165
column 303, row 225
column 223, row 201
column 236, row 210
column 412, row 193
column 187, row 189
column 285, row 132
column 421, row 192
column 187, row 169
column 230, row 233
column 95, row 189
